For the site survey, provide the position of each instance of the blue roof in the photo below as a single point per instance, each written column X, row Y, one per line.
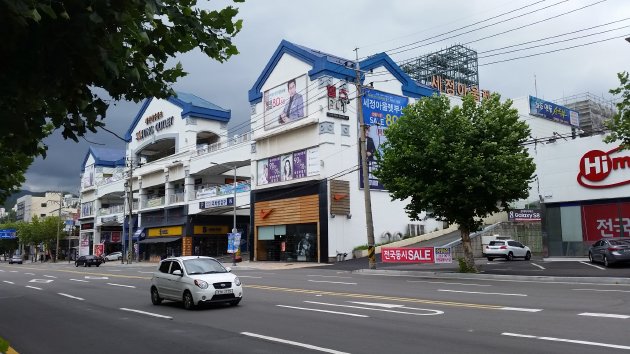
column 191, row 105
column 107, row 157
column 337, row 67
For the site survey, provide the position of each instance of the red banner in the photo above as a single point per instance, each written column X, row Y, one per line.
column 605, row 221
column 116, row 236
column 407, row 255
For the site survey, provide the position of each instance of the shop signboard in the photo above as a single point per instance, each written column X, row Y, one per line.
column 285, row 103
column 7, row 234
column 552, row 111
column 605, row 221
column 216, row 203
column 380, row 110
column 407, row 255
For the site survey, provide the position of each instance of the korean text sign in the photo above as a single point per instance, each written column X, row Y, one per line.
column 407, row 255
column 380, row 110
column 552, row 111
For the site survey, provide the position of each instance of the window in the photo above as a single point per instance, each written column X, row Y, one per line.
column 42, row 215
column 43, row 205
column 164, row 266
column 497, row 243
column 175, row 267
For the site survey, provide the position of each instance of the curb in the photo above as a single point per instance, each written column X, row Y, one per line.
column 496, row 277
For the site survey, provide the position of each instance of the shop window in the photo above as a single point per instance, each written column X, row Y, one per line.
column 290, row 243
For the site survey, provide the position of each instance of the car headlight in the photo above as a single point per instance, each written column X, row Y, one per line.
column 237, row 281
column 201, row 284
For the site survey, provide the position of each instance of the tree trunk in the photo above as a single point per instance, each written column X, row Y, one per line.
column 468, row 251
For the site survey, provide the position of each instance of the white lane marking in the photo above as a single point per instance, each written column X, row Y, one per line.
column 519, row 309
column 8, row 282
column 388, row 306
column 249, row 276
column 329, row 276
column 93, row 277
column 70, row 296
column 146, row 272
column 326, row 311
column 33, row 287
column 146, row 313
column 331, row 282
column 290, row 342
column 82, row 281
column 481, row 293
column 444, row 282
column 13, row 271
column 124, row 286
column 593, row 265
column 43, row 281
column 567, row 340
column 608, row 315
column 29, row 273
column 621, row 291
column 539, row 266
column 50, row 276
column 1, row 270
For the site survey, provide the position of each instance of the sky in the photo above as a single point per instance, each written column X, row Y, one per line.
column 372, row 26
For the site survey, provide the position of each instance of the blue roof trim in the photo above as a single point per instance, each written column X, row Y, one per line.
column 191, row 105
column 323, row 64
column 106, row 157
column 410, row 87
column 337, row 67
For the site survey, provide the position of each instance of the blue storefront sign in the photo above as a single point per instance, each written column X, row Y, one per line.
column 552, row 111
column 7, row 234
column 380, row 110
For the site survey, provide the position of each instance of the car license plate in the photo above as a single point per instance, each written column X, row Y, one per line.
column 223, row 291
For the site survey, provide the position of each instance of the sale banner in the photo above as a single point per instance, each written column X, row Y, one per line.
column 407, row 255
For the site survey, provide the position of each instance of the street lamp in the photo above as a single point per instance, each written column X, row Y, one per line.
column 233, row 210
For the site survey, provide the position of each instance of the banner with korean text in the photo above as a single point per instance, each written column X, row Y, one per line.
column 437, row 255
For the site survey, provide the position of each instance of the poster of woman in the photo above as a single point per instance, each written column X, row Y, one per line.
column 287, row 167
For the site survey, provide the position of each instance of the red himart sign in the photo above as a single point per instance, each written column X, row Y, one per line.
column 408, row 255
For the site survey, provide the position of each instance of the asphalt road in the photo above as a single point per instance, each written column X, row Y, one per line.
column 57, row 308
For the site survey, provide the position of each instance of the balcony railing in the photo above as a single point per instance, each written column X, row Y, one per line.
column 112, row 210
column 176, row 198
column 243, row 138
column 225, row 189
column 153, row 202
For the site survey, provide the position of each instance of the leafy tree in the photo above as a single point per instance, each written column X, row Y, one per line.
column 62, row 61
column 620, row 123
column 462, row 163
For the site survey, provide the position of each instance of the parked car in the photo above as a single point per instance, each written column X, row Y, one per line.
column 195, row 280
column 114, row 256
column 15, row 259
column 508, row 249
column 609, row 251
column 88, row 261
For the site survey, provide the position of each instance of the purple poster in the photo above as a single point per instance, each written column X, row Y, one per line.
column 274, row 169
column 299, row 164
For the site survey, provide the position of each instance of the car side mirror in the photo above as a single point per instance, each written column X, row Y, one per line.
column 228, row 269
column 177, row 272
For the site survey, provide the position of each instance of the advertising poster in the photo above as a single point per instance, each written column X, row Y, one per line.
column 380, row 110
column 443, row 255
column 285, row 103
column 263, row 172
column 84, row 244
column 605, row 221
column 524, row 215
column 312, row 156
column 299, row 164
column 287, row 167
column 116, row 237
column 274, row 169
column 407, row 255
column 552, row 111
column 99, row 248
column 234, row 241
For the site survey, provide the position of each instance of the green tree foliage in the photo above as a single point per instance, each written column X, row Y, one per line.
column 619, row 125
column 63, row 60
column 462, row 163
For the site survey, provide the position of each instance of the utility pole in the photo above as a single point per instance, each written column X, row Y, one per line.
column 369, row 224
column 130, row 202
column 234, row 231
column 58, row 226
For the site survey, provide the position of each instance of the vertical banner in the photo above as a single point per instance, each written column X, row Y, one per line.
column 84, row 244
column 380, row 110
column 299, row 164
column 605, row 221
column 99, row 248
column 234, row 242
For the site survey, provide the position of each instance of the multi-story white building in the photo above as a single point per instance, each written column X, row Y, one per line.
column 51, row 204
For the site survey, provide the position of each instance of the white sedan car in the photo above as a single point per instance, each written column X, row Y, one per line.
column 114, row 256
column 195, row 280
column 508, row 249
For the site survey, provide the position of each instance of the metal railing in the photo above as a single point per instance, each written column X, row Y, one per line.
column 176, row 198
column 112, row 210
column 153, row 202
column 237, row 139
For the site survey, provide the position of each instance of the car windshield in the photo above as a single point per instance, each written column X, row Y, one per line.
column 619, row 242
column 203, row 266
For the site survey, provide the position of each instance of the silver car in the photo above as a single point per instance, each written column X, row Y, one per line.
column 195, row 280
column 609, row 251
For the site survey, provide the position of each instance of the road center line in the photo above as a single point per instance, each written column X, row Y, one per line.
column 608, row 315
column 147, row 313
column 33, row 287
column 477, row 292
column 444, row 282
column 70, row 296
column 29, row 273
column 331, row 282
column 593, row 265
column 620, row 291
column 8, row 282
column 519, row 309
column 326, row 311
column 290, row 342
column 567, row 341
column 124, row 286
column 249, row 276
column 539, row 266
column 79, row 280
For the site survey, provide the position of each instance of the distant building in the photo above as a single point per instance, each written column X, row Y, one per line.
column 28, row 206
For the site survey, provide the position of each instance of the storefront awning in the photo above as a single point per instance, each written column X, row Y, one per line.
column 159, row 240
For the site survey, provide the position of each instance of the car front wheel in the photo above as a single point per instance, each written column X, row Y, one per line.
column 155, row 296
column 590, row 257
column 76, row 264
column 189, row 303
